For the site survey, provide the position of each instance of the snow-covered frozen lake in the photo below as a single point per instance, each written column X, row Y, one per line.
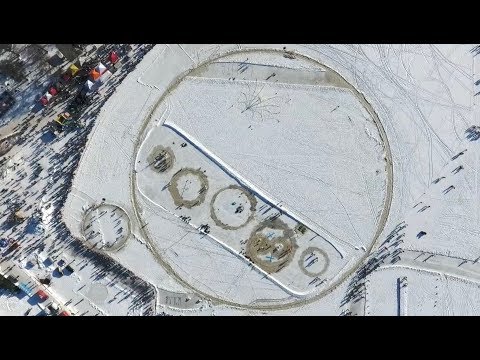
column 303, row 140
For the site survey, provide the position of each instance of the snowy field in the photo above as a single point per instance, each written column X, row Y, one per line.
column 449, row 209
column 401, row 291
column 325, row 166
column 231, row 213
column 423, row 96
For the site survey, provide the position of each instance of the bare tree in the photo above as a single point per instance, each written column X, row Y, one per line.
column 259, row 105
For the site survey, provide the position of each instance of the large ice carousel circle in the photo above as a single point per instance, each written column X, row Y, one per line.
column 236, row 212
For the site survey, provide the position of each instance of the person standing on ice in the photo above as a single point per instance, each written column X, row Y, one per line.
column 459, row 154
column 457, row 169
column 451, row 187
column 423, row 208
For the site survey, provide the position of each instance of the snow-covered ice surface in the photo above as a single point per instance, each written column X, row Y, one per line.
column 325, row 166
column 268, row 59
column 449, row 209
column 424, row 98
column 156, row 187
column 420, row 293
column 285, row 96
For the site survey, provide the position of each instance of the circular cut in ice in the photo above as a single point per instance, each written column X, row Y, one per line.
column 271, row 246
column 188, row 187
column 232, row 207
column 97, row 292
column 106, row 227
column 313, row 261
column 161, row 159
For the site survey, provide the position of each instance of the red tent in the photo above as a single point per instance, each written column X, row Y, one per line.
column 44, row 100
column 113, row 57
column 41, row 294
column 53, row 91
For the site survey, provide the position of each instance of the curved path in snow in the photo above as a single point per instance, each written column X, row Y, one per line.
column 218, row 301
